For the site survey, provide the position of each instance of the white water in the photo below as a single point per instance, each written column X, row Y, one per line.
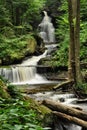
column 47, row 30
column 64, row 98
column 24, row 73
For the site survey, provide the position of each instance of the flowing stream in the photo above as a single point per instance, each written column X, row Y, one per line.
column 68, row 99
column 25, row 73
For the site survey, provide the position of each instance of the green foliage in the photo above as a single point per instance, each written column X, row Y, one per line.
column 83, row 10
column 52, row 7
column 4, row 15
column 3, row 90
column 15, row 48
column 33, row 11
column 83, row 31
column 62, row 30
column 8, row 32
column 18, row 19
column 17, row 115
column 60, row 57
column 12, row 90
column 3, row 80
column 82, row 87
column 83, row 52
column 62, row 34
column 18, row 112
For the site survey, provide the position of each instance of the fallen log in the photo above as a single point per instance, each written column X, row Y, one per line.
column 40, row 88
column 64, row 85
column 56, row 106
column 71, row 119
column 82, row 101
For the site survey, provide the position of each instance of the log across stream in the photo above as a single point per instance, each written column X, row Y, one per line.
column 68, row 113
column 71, row 114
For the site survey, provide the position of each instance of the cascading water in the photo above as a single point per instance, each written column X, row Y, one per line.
column 25, row 72
column 47, row 30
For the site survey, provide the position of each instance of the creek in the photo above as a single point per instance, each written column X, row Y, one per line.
column 26, row 73
column 68, row 99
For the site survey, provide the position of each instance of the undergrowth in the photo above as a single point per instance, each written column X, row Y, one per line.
column 16, row 114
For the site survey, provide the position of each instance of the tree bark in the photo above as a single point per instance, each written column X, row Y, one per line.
column 55, row 106
column 77, row 43
column 71, row 61
column 64, row 85
column 71, row 119
column 74, row 48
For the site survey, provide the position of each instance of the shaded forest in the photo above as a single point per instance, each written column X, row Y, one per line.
column 19, row 38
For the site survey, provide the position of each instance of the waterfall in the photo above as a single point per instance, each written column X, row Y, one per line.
column 24, row 73
column 47, row 30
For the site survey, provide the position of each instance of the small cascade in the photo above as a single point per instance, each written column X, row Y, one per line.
column 6, row 73
column 25, row 72
column 21, row 74
column 47, row 30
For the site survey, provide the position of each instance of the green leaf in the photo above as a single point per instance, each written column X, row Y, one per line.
column 18, row 127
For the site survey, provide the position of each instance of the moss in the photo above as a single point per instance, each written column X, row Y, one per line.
column 31, row 47
column 3, row 90
column 37, row 105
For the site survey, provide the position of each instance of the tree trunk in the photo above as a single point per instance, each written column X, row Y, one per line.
column 74, row 48
column 77, row 43
column 71, row 62
column 64, row 85
column 55, row 106
column 17, row 16
column 71, row 119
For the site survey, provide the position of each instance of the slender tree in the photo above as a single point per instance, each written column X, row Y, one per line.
column 74, row 48
column 77, row 43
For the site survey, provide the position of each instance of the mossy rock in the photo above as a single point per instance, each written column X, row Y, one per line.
column 3, row 90
column 37, row 105
column 31, row 47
